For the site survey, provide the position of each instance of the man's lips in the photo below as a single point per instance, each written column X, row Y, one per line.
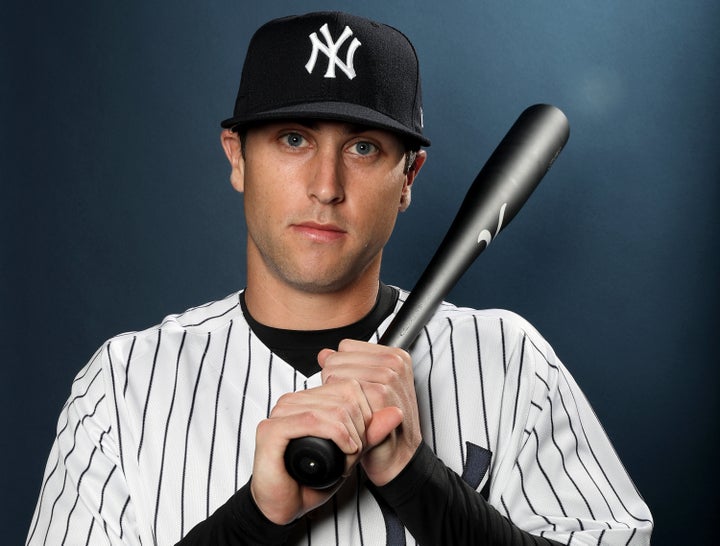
column 319, row 232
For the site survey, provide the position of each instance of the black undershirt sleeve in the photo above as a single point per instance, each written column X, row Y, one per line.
column 438, row 507
column 238, row 522
column 431, row 500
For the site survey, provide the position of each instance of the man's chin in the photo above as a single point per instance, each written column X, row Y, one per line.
column 321, row 286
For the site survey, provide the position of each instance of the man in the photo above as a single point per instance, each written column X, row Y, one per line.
column 478, row 435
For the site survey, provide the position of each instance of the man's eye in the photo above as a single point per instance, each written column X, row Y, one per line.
column 294, row 139
column 364, row 148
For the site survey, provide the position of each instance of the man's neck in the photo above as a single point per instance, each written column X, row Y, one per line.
column 295, row 309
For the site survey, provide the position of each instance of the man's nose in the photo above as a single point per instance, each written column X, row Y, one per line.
column 327, row 179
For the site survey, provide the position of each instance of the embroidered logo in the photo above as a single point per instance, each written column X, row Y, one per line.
column 330, row 48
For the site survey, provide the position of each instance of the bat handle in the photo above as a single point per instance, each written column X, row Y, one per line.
column 314, row 462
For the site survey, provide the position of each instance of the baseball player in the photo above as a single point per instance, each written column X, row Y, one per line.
column 477, row 435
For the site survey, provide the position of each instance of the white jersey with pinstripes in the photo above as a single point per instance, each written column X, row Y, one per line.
column 159, row 431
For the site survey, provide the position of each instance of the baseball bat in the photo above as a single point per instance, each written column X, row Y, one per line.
column 500, row 189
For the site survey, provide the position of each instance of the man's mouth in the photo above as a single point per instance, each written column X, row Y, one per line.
column 321, row 233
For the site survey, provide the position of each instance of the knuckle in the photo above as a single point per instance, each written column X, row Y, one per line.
column 284, row 399
column 264, row 427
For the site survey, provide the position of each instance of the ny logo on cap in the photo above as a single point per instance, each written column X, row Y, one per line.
column 330, row 49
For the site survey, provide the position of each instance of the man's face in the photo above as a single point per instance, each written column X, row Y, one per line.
column 321, row 200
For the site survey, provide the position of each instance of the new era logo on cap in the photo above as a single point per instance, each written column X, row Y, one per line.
column 331, row 65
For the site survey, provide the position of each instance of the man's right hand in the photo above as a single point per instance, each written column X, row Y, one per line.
column 338, row 411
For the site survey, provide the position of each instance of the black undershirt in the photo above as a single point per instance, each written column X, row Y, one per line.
column 300, row 348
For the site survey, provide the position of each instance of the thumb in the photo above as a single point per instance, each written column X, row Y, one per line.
column 382, row 423
column 322, row 356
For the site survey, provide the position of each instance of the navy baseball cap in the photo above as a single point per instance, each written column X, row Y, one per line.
column 335, row 66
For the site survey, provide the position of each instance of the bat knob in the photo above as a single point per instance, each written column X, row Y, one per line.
column 314, row 462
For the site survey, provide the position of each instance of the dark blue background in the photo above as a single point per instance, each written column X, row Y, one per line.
column 116, row 206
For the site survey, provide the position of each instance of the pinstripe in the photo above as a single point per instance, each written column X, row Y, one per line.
column 527, row 499
column 269, row 384
column 519, row 381
column 547, row 478
column 102, row 494
column 336, row 523
column 502, row 339
column 122, row 515
column 564, row 465
column 242, row 404
column 215, row 420
column 90, row 530
column 457, row 394
column 149, row 390
column 507, row 512
column 580, row 460
column 121, row 452
column 127, row 367
column 212, row 317
column 187, row 435
column 429, row 389
column 52, row 510
column 167, row 429
column 77, row 497
column 359, row 513
column 542, row 380
column 482, row 381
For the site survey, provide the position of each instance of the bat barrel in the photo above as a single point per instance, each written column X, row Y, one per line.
column 500, row 189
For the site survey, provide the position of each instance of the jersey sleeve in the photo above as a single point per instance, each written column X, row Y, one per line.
column 84, row 497
column 560, row 476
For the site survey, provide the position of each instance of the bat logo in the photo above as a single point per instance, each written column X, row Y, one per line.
column 485, row 234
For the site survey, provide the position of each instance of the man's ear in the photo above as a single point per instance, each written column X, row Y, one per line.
column 230, row 141
column 405, row 196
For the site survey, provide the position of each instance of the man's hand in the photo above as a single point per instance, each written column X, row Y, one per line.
column 338, row 411
column 385, row 375
column 366, row 405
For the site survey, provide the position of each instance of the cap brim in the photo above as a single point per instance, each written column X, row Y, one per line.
column 340, row 111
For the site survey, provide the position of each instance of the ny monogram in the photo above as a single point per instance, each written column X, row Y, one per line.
column 330, row 49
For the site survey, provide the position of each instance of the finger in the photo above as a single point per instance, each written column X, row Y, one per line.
column 339, row 408
column 383, row 422
column 323, row 355
column 351, row 350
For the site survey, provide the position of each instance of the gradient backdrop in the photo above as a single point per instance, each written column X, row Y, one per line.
column 116, row 207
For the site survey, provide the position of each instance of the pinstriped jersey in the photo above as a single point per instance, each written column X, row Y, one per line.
column 159, row 431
